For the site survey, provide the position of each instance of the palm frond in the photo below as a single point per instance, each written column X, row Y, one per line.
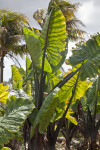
column 76, row 34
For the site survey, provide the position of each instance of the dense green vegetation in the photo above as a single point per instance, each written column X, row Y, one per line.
column 44, row 101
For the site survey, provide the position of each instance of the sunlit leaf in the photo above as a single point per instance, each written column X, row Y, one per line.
column 53, row 37
column 4, row 93
column 34, row 46
column 46, row 111
column 71, row 119
column 17, row 78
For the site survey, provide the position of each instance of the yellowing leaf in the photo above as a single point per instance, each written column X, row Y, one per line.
column 3, row 93
column 17, row 78
column 71, row 119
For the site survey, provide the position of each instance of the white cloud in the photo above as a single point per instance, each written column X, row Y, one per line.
column 85, row 11
column 89, row 14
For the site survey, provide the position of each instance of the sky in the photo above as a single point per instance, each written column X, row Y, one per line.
column 88, row 13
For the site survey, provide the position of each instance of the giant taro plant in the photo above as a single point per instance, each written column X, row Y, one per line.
column 46, row 50
column 52, row 89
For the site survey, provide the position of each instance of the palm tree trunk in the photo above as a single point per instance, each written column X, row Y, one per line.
column 1, row 69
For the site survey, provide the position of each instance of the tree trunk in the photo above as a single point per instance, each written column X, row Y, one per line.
column 1, row 69
column 37, row 141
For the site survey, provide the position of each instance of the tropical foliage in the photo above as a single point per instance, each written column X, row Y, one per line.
column 87, row 53
column 12, row 115
column 43, row 99
column 16, row 112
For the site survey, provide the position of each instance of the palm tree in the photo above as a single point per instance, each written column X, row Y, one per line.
column 11, row 35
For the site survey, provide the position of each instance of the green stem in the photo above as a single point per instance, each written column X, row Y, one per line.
column 62, row 82
column 36, row 80
column 41, row 90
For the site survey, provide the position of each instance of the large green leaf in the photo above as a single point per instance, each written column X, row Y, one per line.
column 35, row 49
column 20, row 79
column 34, row 46
column 16, row 112
column 46, row 111
column 87, row 53
column 53, row 40
column 17, row 78
column 93, row 95
column 3, row 93
column 66, row 92
column 53, row 37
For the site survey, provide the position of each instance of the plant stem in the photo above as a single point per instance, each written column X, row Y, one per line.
column 61, row 120
column 41, row 89
column 62, row 82
column 36, row 80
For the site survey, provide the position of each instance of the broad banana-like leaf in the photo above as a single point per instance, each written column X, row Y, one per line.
column 88, row 54
column 68, row 9
column 4, row 93
column 39, row 15
column 53, row 37
column 16, row 112
column 34, row 45
column 35, row 49
column 53, row 41
column 18, row 74
column 17, row 78
column 46, row 111
column 66, row 91
column 93, row 94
